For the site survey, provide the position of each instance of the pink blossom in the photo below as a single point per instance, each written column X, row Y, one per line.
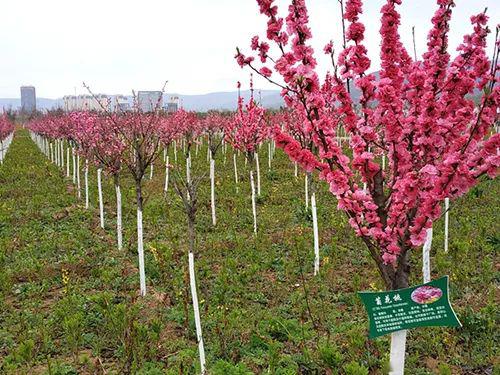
column 418, row 116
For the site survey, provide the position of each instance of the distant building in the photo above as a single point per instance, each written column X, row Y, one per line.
column 28, row 99
column 172, row 105
column 99, row 102
column 148, row 101
column 121, row 103
column 69, row 103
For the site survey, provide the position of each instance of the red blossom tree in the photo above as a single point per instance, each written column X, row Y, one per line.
column 421, row 114
column 246, row 132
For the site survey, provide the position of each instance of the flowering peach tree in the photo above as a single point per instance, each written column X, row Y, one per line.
column 246, row 132
column 421, row 114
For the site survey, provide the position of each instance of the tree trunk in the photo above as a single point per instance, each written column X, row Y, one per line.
column 254, row 208
column 78, row 186
column 257, row 166
column 74, row 165
column 101, row 203
column 307, row 178
column 140, row 239
column 212, row 189
column 269, row 156
column 167, row 174
column 194, row 292
column 86, row 184
column 426, row 258
column 119, row 230
column 315, row 232
column 446, row 222
column 235, row 172
column 67, row 162
column 398, row 338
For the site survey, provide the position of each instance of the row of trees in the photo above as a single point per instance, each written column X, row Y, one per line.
column 6, row 132
column 130, row 143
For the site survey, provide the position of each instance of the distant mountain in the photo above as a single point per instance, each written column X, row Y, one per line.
column 41, row 103
column 226, row 100
column 216, row 100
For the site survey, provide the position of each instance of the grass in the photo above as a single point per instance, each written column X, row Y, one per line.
column 69, row 299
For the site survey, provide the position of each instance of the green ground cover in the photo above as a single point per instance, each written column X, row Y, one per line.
column 69, row 299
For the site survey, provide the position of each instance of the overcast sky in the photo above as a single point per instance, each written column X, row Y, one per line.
column 119, row 45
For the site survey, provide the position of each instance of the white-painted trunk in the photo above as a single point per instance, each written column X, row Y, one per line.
column 212, row 190
column 426, row 258
column 140, row 251
column 398, row 338
column 188, row 173
column 101, row 203
column 235, row 171
column 188, row 169
column 397, row 356
column 196, row 308
column 383, row 161
column 74, row 165
column 61, row 152
column 175, row 151
column 257, row 167
column 296, row 170
column 151, row 171
column 119, row 230
column 306, row 189
column 316, row 235
column 254, row 205
column 269, row 156
column 167, row 173
column 67, row 162
column 78, row 185
column 446, row 222
column 164, row 154
column 86, row 177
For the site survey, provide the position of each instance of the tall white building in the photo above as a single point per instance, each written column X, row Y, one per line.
column 99, row 102
column 172, row 105
column 120, row 103
column 148, row 101
column 28, row 99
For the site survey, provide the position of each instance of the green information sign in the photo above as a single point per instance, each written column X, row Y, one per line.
column 419, row 306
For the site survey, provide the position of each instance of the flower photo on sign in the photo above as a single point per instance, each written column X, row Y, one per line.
column 426, row 294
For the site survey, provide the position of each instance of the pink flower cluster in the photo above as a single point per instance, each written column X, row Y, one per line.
column 109, row 140
column 248, row 127
column 426, row 294
column 419, row 115
column 6, row 127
